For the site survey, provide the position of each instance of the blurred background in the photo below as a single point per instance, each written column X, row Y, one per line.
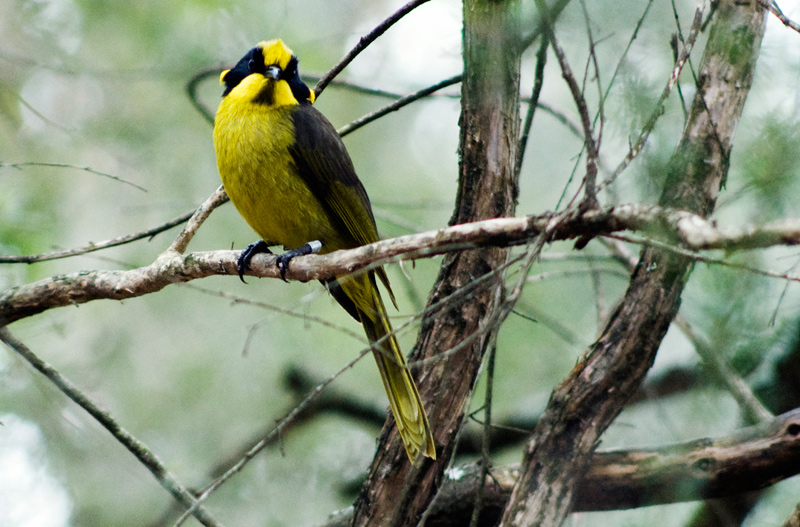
column 200, row 371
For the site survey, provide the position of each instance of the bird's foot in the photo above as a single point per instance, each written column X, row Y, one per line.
column 284, row 259
column 243, row 263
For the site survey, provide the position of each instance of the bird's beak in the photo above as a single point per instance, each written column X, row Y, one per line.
column 273, row 72
column 222, row 76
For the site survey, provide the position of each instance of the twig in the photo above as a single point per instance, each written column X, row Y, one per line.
column 365, row 41
column 396, row 105
column 279, row 429
column 590, row 197
column 754, row 410
column 485, row 460
column 697, row 257
column 592, row 59
column 191, row 91
column 775, row 10
column 675, row 42
column 636, row 147
column 20, row 166
column 541, row 61
column 114, row 242
column 305, row 317
column 198, row 217
column 141, row 451
column 357, row 88
column 632, row 38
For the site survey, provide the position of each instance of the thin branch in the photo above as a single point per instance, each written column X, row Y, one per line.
column 636, row 147
column 396, row 105
column 365, row 41
column 305, row 317
column 485, row 460
column 198, row 217
column 20, row 166
column 702, row 258
column 141, row 451
column 590, row 199
column 114, row 242
column 592, row 60
column 674, row 41
column 625, row 52
column 279, row 430
column 775, row 10
column 195, row 217
column 191, row 91
column 555, row 12
column 754, row 410
column 533, row 104
column 355, row 87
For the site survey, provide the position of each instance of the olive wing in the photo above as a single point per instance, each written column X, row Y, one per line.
column 324, row 164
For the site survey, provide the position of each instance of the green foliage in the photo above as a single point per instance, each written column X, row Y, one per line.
column 197, row 375
column 771, row 165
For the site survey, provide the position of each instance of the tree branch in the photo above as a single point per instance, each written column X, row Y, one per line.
column 145, row 456
column 612, row 369
column 590, row 198
column 749, row 459
column 395, row 493
column 92, row 247
column 680, row 61
column 365, row 41
column 691, row 232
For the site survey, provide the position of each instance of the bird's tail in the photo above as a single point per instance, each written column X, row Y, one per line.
column 409, row 414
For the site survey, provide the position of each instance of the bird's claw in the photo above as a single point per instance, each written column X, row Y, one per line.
column 283, row 263
column 284, row 259
column 243, row 262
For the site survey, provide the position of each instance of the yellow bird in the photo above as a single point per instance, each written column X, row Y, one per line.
column 288, row 173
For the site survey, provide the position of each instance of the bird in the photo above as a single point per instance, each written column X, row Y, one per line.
column 287, row 171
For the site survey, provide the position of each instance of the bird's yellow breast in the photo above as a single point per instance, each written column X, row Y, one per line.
column 252, row 143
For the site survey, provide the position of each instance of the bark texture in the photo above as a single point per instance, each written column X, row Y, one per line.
column 396, row 493
column 610, row 371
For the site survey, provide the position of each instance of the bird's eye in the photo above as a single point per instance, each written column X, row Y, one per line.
column 251, row 65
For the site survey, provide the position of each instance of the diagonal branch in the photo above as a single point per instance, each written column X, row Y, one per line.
column 592, row 153
column 746, row 460
column 365, row 41
column 611, row 370
column 134, row 445
column 683, row 56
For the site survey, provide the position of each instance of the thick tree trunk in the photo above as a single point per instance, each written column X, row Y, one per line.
column 610, row 371
column 456, row 337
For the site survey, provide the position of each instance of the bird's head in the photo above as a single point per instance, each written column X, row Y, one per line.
column 267, row 74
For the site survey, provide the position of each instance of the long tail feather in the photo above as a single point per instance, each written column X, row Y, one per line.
column 404, row 400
